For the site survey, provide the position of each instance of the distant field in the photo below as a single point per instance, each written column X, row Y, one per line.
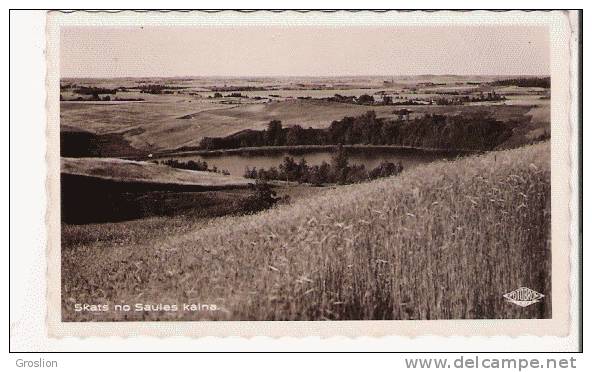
column 169, row 121
column 441, row 241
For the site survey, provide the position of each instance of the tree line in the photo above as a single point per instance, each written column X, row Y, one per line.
column 158, row 89
column 195, row 165
column 535, row 82
column 94, row 91
column 477, row 131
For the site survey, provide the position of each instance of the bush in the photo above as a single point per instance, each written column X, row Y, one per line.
column 262, row 197
column 386, row 169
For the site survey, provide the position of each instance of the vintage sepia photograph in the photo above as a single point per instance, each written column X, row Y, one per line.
column 306, row 172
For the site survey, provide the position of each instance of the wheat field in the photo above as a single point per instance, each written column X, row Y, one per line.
column 441, row 241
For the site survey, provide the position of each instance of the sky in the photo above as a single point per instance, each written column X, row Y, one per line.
column 104, row 52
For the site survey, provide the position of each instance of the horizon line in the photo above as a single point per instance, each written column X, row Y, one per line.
column 292, row 76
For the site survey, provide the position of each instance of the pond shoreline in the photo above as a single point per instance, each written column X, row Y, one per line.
column 304, row 149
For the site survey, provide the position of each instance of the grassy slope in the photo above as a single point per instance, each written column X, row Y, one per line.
column 126, row 170
column 443, row 241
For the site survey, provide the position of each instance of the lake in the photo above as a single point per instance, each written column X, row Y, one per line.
column 236, row 162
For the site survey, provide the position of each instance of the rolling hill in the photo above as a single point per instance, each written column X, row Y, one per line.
column 442, row 241
column 145, row 172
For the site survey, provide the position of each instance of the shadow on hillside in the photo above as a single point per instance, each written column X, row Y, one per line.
column 91, row 199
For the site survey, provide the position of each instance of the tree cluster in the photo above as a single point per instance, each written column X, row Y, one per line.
column 192, row 165
column 158, row 89
column 339, row 171
column 94, row 91
column 477, row 131
column 535, row 82
column 460, row 100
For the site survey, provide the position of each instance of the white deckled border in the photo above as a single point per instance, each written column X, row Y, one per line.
column 561, row 38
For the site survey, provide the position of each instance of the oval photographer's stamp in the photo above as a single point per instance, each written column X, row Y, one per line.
column 523, row 296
